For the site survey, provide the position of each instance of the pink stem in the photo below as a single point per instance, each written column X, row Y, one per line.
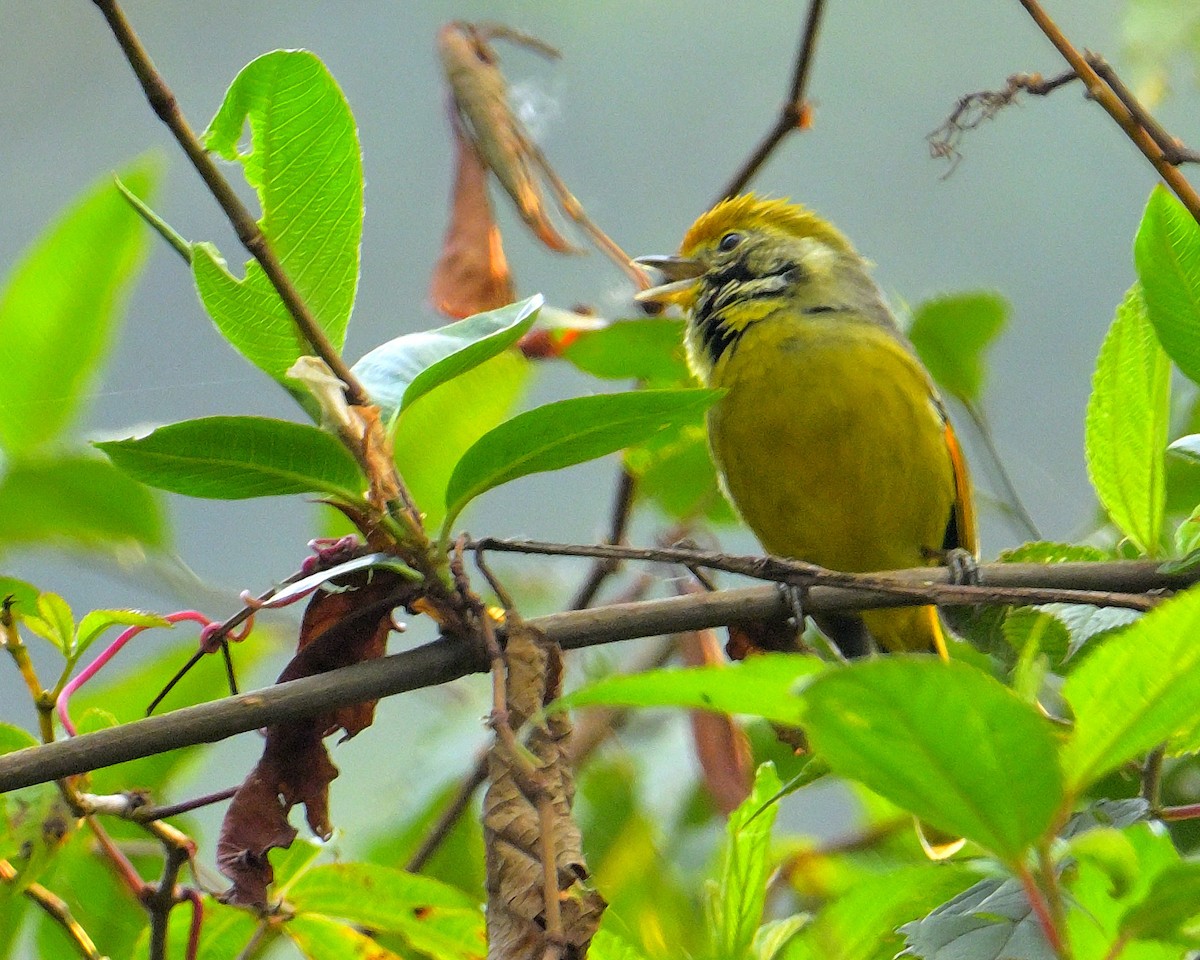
column 108, row 653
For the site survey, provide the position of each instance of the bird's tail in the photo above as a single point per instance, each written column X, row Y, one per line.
column 913, row 629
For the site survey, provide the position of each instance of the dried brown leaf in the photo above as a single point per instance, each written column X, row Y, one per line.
column 529, row 795
column 501, row 141
column 471, row 274
column 720, row 745
column 341, row 626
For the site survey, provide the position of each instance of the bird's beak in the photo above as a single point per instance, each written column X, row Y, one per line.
column 681, row 274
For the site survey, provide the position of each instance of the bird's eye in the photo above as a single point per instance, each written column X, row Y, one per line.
column 729, row 241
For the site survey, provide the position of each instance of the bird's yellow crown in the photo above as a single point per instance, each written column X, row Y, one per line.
column 750, row 212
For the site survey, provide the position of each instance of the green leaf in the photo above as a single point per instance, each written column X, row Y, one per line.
column 737, row 903
column 951, row 335
column 53, row 621
column 22, row 595
column 1045, row 551
column 774, row 935
column 305, row 164
column 401, row 370
column 1136, row 690
column 226, row 933
column 1167, row 253
column 606, row 945
column 95, row 622
column 431, row 916
column 77, row 500
column 565, row 433
column 1126, row 429
column 14, row 738
column 319, row 938
column 763, row 686
column 649, row 349
column 675, row 472
column 861, row 924
column 234, row 458
column 60, row 309
column 991, row 920
column 1170, row 910
column 944, row 741
column 457, row 414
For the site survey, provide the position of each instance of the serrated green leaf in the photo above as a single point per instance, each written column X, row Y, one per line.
column 737, row 903
column 95, row 622
column 649, row 349
column 457, row 414
column 861, row 924
column 60, row 308
column 1126, row 429
column 763, row 686
column 77, row 500
column 431, row 916
column 400, row 371
column 305, row 164
column 991, row 920
column 1167, row 253
column 951, row 335
column 565, row 433
column 233, row 458
column 1136, row 690
column 943, row 741
column 1045, row 551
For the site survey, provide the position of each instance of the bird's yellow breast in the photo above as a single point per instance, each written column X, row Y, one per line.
column 830, row 443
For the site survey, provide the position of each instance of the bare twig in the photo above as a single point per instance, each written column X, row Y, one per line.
column 923, row 585
column 605, row 567
column 440, row 662
column 57, row 910
column 793, row 113
column 1105, row 95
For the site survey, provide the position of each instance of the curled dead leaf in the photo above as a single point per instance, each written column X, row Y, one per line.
column 342, row 625
column 527, row 811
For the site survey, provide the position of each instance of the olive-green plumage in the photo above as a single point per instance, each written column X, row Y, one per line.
column 831, row 440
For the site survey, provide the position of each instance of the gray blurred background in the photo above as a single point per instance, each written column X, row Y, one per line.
column 650, row 110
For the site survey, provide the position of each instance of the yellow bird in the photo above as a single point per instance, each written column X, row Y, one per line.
column 831, row 440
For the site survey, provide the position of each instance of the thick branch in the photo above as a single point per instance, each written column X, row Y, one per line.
column 442, row 661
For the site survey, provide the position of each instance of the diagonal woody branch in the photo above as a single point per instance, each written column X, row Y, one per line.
column 444, row 660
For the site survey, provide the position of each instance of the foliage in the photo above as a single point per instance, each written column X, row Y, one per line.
column 1019, row 750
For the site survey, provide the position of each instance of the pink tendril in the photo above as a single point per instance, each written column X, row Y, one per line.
column 193, row 944
column 107, row 654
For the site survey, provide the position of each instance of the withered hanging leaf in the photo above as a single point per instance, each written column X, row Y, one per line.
column 720, row 745
column 341, row 626
column 481, row 96
column 512, row 822
column 471, row 274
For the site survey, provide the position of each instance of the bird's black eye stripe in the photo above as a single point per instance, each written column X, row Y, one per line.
column 729, row 241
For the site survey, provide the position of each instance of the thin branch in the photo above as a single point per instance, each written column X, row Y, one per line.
column 1019, row 513
column 1041, row 910
column 57, row 910
column 1104, row 94
column 921, row 585
column 793, row 113
column 159, row 899
column 605, row 567
column 440, row 662
column 166, row 108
